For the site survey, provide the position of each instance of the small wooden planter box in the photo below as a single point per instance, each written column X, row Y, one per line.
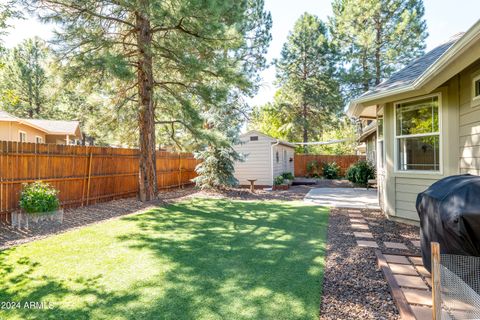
column 20, row 218
column 280, row 187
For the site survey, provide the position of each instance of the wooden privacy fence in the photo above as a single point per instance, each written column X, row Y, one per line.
column 83, row 174
column 344, row 162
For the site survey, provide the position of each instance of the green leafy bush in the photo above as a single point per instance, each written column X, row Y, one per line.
column 361, row 172
column 288, row 176
column 278, row 180
column 39, row 197
column 312, row 168
column 331, row 170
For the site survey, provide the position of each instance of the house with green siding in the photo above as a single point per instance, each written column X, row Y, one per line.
column 428, row 122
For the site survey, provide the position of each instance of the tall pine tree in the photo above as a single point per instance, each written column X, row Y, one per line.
column 171, row 61
column 376, row 38
column 24, row 79
column 309, row 99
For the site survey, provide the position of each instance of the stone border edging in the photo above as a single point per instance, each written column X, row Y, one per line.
column 404, row 308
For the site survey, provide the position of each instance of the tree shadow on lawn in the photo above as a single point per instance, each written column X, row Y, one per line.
column 14, row 275
column 212, row 259
column 236, row 260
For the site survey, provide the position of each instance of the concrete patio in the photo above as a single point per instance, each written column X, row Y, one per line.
column 344, row 197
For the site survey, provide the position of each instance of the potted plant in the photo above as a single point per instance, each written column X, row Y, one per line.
column 279, row 183
column 38, row 202
column 288, row 178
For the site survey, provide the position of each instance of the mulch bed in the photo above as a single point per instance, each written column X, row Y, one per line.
column 79, row 217
column 292, row 194
column 327, row 183
column 353, row 288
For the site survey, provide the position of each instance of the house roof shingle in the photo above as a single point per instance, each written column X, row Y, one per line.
column 413, row 70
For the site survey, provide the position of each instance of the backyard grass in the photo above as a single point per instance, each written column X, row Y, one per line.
column 197, row 259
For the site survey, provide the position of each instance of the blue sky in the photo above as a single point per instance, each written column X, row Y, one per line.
column 444, row 19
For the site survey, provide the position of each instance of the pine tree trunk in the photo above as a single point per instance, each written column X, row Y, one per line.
column 366, row 84
column 146, row 116
column 305, row 127
column 378, row 43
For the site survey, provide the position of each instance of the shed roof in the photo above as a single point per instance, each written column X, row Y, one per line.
column 274, row 140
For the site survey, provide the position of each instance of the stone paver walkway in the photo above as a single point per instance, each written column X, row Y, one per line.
column 408, row 271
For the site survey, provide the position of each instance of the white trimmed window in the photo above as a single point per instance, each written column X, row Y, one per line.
column 476, row 88
column 22, row 136
column 38, row 139
column 417, row 135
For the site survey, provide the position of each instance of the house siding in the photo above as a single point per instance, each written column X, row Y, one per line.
column 406, row 197
column 9, row 131
column 58, row 139
column 401, row 188
column 258, row 159
column 257, row 164
column 469, row 130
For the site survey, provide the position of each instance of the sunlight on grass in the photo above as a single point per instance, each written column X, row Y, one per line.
column 198, row 259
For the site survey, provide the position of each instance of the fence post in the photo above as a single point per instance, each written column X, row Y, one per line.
column 89, row 176
column 180, row 184
column 436, row 289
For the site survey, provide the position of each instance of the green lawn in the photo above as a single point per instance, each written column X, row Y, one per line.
column 198, row 259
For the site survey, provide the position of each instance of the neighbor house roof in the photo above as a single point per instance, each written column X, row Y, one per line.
column 416, row 75
column 5, row 116
column 53, row 127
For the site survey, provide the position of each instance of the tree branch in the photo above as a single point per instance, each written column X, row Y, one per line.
column 88, row 11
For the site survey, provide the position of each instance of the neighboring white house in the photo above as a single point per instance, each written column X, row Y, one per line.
column 428, row 122
column 265, row 158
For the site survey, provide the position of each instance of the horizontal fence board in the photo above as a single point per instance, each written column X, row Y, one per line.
column 83, row 174
column 345, row 161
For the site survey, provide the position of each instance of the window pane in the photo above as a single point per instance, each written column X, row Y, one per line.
column 417, row 117
column 380, row 127
column 381, row 156
column 477, row 88
column 419, row 153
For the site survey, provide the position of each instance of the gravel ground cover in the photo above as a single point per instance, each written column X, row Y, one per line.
column 353, row 288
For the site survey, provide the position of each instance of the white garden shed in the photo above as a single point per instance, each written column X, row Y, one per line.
column 265, row 158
